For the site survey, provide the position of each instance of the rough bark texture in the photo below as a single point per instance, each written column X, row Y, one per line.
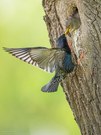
column 83, row 86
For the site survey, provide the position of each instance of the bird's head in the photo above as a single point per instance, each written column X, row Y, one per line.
column 62, row 43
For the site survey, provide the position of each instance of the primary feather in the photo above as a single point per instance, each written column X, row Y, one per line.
column 44, row 58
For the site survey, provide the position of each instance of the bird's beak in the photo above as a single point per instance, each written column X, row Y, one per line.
column 67, row 32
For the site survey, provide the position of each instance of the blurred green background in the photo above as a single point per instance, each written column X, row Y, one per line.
column 24, row 109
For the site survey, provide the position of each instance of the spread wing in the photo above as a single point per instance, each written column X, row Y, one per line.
column 41, row 57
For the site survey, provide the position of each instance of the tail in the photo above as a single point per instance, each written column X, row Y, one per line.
column 52, row 86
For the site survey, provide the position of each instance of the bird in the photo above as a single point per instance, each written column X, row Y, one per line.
column 57, row 59
column 73, row 22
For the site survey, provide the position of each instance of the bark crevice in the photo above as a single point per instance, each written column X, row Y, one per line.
column 82, row 87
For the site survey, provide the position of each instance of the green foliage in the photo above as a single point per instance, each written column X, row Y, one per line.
column 24, row 109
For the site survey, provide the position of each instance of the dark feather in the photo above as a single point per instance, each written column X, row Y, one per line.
column 52, row 86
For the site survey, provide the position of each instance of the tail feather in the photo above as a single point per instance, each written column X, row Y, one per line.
column 52, row 86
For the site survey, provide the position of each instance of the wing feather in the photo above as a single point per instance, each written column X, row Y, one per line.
column 44, row 58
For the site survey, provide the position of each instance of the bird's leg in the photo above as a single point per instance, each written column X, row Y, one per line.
column 81, row 56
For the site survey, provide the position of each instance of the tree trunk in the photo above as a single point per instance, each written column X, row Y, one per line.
column 83, row 86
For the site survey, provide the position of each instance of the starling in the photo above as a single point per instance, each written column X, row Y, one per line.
column 57, row 59
column 73, row 22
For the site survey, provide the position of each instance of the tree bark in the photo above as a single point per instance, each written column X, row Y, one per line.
column 83, row 86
